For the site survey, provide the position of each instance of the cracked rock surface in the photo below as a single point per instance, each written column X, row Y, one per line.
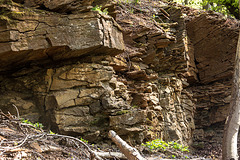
column 29, row 36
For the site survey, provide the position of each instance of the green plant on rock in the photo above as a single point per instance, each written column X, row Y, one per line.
column 128, row 1
column 135, row 106
column 99, row 10
column 122, row 112
column 2, row 17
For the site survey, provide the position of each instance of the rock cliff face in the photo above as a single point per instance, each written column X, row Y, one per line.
column 83, row 73
column 214, row 39
column 31, row 36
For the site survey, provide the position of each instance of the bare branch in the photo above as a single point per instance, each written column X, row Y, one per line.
column 18, row 115
column 130, row 152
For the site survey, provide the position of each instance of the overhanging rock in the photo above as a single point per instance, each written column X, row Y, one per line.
column 31, row 36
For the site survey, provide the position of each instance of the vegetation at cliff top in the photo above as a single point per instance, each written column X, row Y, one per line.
column 227, row 7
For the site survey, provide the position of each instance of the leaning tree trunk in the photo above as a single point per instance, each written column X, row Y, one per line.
column 233, row 120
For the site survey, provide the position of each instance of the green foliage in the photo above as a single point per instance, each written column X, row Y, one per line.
column 131, row 10
column 136, row 1
column 122, row 112
column 135, row 106
column 227, row 7
column 35, row 125
column 161, row 145
column 50, row 132
column 129, row 1
column 2, row 17
column 85, row 141
column 191, row 3
column 99, row 10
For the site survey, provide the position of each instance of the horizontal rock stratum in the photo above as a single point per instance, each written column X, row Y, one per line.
column 28, row 36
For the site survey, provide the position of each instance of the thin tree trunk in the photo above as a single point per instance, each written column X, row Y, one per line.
column 233, row 120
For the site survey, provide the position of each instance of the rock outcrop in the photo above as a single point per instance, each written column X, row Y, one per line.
column 214, row 39
column 34, row 37
column 70, row 72
column 142, row 74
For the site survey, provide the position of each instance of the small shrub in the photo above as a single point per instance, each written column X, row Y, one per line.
column 36, row 125
column 84, row 140
column 99, row 10
column 156, row 144
column 160, row 145
column 51, row 132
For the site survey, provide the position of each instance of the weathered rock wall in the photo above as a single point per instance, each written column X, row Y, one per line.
column 71, row 71
column 214, row 39
column 34, row 37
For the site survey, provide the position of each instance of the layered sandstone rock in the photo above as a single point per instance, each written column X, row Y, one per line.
column 214, row 39
column 44, row 37
column 58, row 5
column 77, row 80
column 158, row 68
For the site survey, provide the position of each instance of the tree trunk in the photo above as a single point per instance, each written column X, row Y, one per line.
column 233, row 120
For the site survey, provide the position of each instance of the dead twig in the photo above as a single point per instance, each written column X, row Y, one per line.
column 18, row 116
column 92, row 153
column 9, row 148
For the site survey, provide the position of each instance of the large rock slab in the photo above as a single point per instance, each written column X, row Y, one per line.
column 214, row 40
column 34, row 36
column 57, row 5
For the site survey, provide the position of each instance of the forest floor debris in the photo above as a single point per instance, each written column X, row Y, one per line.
column 19, row 140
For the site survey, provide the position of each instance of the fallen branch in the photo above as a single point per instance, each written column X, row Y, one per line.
column 10, row 148
column 15, row 141
column 130, row 152
column 111, row 155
